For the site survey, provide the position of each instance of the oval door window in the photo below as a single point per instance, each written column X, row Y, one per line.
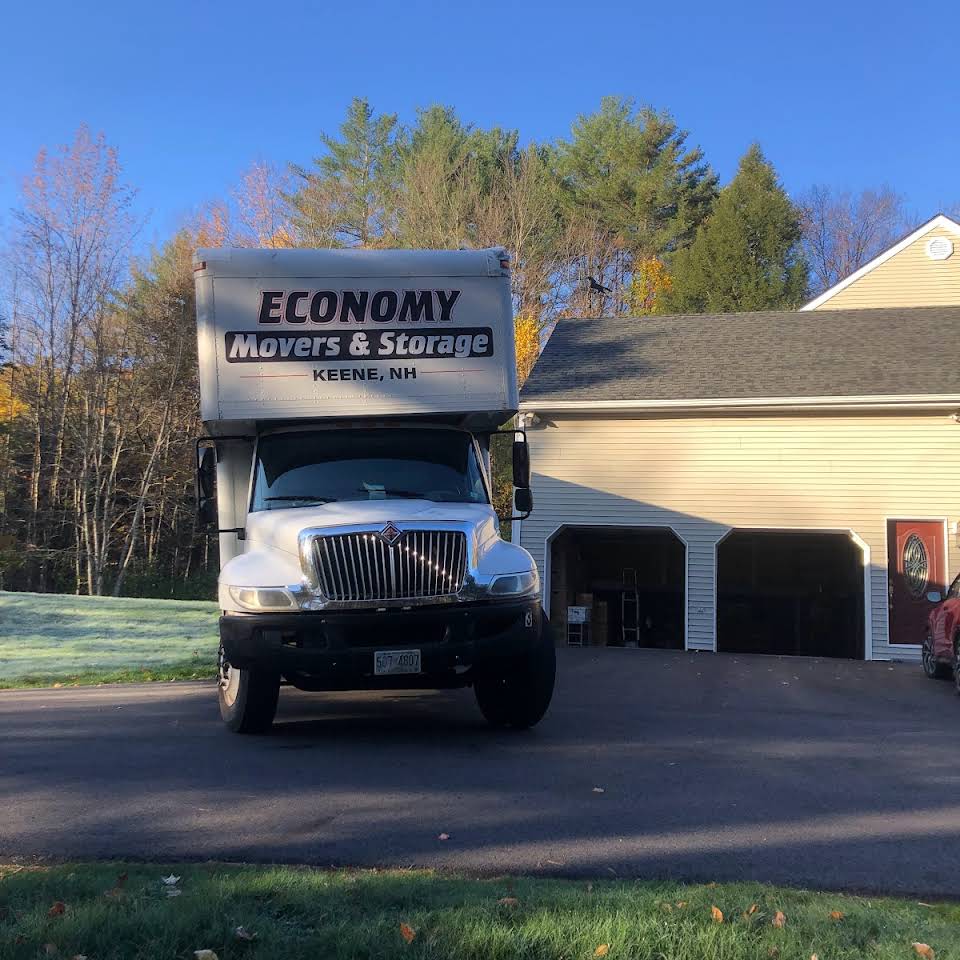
column 916, row 567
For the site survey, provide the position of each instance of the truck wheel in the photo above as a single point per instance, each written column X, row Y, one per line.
column 517, row 691
column 248, row 697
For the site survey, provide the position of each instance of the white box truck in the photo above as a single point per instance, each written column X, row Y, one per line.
column 349, row 399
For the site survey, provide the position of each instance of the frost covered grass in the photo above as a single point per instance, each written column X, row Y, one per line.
column 122, row 911
column 53, row 638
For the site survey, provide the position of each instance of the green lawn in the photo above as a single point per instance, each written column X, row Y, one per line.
column 52, row 638
column 125, row 911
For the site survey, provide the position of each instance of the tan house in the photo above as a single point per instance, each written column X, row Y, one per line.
column 783, row 482
column 922, row 270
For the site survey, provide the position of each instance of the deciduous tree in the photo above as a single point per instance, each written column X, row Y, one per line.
column 72, row 235
column 649, row 285
column 842, row 231
column 263, row 209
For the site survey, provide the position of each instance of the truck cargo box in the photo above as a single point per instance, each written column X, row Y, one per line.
column 291, row 334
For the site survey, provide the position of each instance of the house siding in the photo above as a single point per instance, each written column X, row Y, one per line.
column 703, row 476
column 908, row 279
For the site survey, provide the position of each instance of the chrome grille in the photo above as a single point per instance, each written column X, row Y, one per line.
column 362, row 566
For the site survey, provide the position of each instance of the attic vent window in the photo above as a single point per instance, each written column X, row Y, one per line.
column 939, row 248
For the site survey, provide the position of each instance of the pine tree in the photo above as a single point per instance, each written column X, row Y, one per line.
column 349, row 196
column 747, row 254
column 449, row 172
column 632, row 170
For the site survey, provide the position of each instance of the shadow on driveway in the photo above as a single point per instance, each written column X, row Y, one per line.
column 830, row 774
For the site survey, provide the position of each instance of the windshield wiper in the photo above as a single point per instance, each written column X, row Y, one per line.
column 308, row 497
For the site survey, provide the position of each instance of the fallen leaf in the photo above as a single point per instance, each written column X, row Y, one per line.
column 681, row 904
column 752, row 909
column 836, row 914
column 508, row 902
column 170, row 881
column 717, row 914
column 599, row 790
column 242, row 933
column 116, row 891
column 602, row 950
column 779, row 919
column 444, row 836
column 773, row 953
column 666, row 907
column 58, row 909
column 813, row 956
column 712, row 883
column 57, row 686
column 407, row 932
column 205, row 955
column 924, row 950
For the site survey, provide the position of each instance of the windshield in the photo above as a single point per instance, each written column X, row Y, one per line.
column 303, row 469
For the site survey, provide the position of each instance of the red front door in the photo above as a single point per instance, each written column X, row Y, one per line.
column 914, row 568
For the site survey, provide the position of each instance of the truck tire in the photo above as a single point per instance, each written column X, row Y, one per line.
column 248, row 697
column 517, row 691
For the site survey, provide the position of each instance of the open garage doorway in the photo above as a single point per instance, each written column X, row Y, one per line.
column 798, row 593
column 632, row 582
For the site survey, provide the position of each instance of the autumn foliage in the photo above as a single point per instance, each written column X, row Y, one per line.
column 649, row 284
column 527, row 337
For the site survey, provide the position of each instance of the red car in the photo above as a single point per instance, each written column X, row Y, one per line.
column 941, row 646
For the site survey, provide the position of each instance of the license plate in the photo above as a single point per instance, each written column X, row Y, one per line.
column 388, row 662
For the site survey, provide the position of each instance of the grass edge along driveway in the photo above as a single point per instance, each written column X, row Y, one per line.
column 114, row 910
column 48, row 639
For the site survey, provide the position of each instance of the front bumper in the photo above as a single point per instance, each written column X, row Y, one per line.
column 334, row 651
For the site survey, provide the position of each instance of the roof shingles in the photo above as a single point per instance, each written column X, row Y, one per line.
column 837, row 353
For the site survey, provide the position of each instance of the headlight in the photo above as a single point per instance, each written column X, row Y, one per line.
column 515, row 584
column 261, row 598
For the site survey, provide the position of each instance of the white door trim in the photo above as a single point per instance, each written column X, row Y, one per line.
column 886, row 566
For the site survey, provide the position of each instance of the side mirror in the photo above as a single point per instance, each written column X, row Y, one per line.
column 206, row 486
column 934, row 596
column 523, row 500
column 521, row 461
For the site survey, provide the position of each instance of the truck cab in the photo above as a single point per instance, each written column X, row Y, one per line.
column 352, row 488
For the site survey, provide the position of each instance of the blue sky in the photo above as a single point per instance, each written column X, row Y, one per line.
column 845, row 93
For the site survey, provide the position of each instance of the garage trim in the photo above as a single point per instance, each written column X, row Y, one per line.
column 560, row 528
column 864, row 562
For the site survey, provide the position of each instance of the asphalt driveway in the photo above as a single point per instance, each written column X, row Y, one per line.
column 815, row 773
